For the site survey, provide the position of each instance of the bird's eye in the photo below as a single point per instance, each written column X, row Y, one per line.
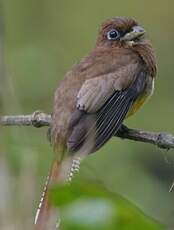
column 113, row 34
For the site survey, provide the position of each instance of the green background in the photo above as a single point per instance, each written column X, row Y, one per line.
column 40, row 41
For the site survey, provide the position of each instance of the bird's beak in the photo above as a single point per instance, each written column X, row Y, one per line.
column 136, row 32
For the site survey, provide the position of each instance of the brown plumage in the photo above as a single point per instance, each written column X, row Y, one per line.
column 96, row 95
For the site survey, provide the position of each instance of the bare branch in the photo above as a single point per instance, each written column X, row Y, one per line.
column 161, row 139
column 39, row 119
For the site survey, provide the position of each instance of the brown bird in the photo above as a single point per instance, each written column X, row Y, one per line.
column 95, row 97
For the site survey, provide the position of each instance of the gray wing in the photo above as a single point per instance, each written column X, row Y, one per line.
column 96, row 91
column 93, row 130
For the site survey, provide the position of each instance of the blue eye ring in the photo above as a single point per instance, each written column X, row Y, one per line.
column 113, row 34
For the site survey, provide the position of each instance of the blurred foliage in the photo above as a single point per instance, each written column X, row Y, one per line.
column 41, row 40
column 89, row 206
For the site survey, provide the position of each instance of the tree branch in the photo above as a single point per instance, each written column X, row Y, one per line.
column 161, row 139
column 39, row 119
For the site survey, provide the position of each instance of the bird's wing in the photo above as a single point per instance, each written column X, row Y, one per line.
column 101, row 109
column 96, row 91
column 113, row 112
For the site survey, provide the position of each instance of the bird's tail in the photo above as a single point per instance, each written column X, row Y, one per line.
column 61, row 172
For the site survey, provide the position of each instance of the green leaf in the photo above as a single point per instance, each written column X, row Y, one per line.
column 89, row 206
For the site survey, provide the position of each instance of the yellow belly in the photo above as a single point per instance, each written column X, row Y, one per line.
column 142, row 98
column 137, row 105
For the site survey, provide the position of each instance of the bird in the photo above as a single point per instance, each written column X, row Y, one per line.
column 94, row 98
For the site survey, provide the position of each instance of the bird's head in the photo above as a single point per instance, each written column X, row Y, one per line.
column 126, row 33
column 120, row 31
